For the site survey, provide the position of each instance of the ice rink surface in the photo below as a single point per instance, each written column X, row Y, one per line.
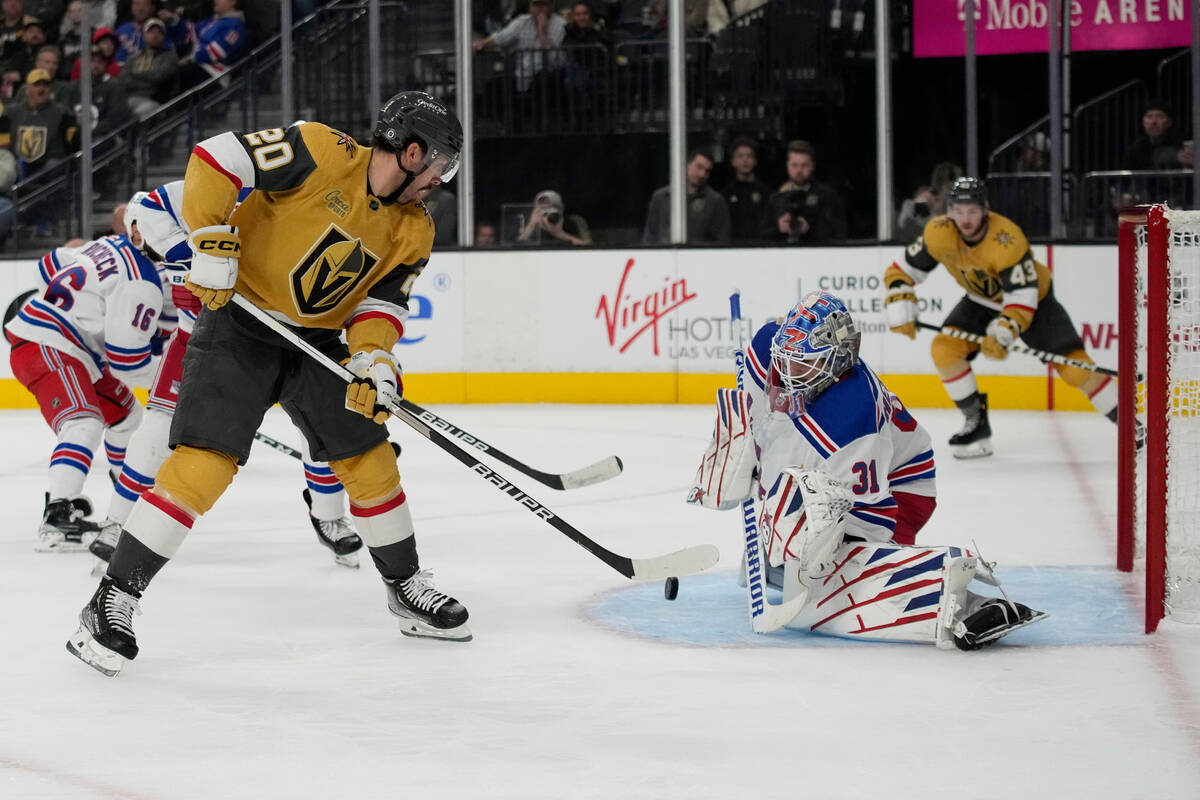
column 268, row 671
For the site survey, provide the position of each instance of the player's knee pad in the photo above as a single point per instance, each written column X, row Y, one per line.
column 195, row 477
column 1076, row 377
column 82, row 430
column 947, row 351
column 370, row 478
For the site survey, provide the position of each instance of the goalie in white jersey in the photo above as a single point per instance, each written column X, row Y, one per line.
column 77, row 346
column 845, row 480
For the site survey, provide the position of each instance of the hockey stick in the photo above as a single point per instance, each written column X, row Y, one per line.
column 293, row 452
column 764, row 617
column 1017, row 347
column 683, row 562
column 602, row 470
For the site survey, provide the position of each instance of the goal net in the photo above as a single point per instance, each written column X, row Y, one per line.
column 1159, row 481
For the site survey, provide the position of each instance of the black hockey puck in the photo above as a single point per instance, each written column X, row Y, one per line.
column 671, row 588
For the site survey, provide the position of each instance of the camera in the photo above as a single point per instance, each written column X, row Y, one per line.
column 553, row 216
column 921, row 208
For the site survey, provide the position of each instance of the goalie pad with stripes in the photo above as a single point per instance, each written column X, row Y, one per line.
column 726, row 472
column 803, row 518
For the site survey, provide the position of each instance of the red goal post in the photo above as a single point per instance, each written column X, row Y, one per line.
column 1158, row 513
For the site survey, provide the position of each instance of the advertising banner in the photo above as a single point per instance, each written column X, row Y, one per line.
column 1020, row 26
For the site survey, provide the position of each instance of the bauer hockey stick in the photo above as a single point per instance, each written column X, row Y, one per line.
column 764, row 617
column 293, row 452
column 602, row 470
column 1017, row 347
column 682, row 562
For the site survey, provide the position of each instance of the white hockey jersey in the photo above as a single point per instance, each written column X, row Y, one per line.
column 101, row 304
column 856, row 430
column 165, row 202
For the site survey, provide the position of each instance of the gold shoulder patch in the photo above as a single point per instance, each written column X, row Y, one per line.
column 345, row 140
column 1004, row 238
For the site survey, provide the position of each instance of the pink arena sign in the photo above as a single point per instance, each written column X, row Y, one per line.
column 1020, row 26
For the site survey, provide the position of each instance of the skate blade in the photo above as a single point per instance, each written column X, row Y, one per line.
column 416, row 628
column 973, row 450
column 60, row 547
column 84, row 647
column 349, row 560
column 1002, row 632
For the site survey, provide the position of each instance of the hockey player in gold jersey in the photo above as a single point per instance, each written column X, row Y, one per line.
column 330, row 240
column 1009, row 295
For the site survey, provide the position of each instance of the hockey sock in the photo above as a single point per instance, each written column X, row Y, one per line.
column 388, row 531
column 961, row 385
column 78, row 439
column 155, row 530
column 116, row 438
column 1104, row 398
column 328, row 496
column 145, row 454
column 133, row 565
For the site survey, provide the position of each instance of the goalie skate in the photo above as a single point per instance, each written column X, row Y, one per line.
column 993, row 619
column 338, row 535
column 64, row 528
column 105, row 640
column 424, row 611
column 975, row 438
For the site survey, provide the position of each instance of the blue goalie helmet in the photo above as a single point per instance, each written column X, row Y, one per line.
column 817, row 344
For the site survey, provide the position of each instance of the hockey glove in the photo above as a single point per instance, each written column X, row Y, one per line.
column 901, row 307
column 1001, row 333
column 214, row 264
column 803, row 517
column 377, row 386
column 726, row 472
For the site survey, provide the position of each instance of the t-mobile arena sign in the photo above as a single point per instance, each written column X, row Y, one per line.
column 1020, row 26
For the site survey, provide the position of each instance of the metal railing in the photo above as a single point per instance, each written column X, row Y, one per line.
column 1102, row 128
column 1105, row 192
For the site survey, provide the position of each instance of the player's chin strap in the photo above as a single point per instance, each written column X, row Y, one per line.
column 410, row 176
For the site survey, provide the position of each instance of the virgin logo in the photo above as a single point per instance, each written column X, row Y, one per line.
column 625, row 319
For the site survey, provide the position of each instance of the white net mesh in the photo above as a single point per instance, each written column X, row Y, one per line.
column 1183, row 418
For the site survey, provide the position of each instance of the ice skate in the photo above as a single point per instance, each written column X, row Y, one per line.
column 106, row 540
column 105, row 639
column 64, row 528
column 424, row 611
column 975, row 438
column 338, row 535
column 993, row 619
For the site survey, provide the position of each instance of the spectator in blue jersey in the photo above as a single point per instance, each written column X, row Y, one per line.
column 151, row 75
column 130, row 35
column 220, row 41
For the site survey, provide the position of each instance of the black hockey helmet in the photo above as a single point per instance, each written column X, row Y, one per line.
column 418, row 117
column 14, row 307
column 968, row 190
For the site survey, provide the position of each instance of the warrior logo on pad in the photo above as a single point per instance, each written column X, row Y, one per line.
column 329, row 271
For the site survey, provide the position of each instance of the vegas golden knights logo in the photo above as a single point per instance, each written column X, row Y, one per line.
column 31, row 142
column 329, row 271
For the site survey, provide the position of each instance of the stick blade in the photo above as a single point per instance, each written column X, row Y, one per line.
column 775, row 617
column 688, row 561
column 603, row 470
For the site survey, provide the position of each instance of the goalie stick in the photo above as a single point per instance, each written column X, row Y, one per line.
column 764, row 617
column 682, row 562
column 603, row 470
column 1017, row 347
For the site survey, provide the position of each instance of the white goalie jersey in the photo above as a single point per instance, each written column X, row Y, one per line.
column 856, row 430
column 101, row 305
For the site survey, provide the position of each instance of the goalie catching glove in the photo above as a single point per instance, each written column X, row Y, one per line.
column 1001, row 333
column 726, row 472
column 803, row 518
column 377, row 387
column 214, row 272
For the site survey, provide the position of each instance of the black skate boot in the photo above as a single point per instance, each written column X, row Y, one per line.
column 1139, row 430
column 106, row 540
column 993, row 619
column 975, row 438
column 338, row 535
column 105, row 639
column 424, row 611
column 63, row 528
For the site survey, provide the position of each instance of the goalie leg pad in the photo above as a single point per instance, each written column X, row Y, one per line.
column 726, row 472
column 803, row 517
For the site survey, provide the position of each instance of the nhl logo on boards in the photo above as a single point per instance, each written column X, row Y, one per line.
column 329, row 271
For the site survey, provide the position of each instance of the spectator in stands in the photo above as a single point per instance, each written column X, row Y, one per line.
column 13, row 20
column 550, row 224
column 70, row 37
column 48, row 11
column 104, row 42
column 707, row 212
column 583, row 29
column 1159, row 147
column 43, row 132
column 805, row 209
column 746, row 195
column 21, row 54
column 1034, row 155
column 695, row 16
column 48, row 59
column 486, row 234
column 531, row 35
column 8, row 178
column 220, row 41
column 915, row 212
column 110, row 104
column 129, row 35
column 151, row 76
column 442, row 205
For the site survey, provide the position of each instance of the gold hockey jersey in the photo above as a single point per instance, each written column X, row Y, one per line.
column 317, row 246
column 999, row 271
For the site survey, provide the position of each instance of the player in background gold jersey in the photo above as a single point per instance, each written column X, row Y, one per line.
column 330, row 241
column 1009, row 296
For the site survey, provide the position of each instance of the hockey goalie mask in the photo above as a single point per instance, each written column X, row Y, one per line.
column 816, row 345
